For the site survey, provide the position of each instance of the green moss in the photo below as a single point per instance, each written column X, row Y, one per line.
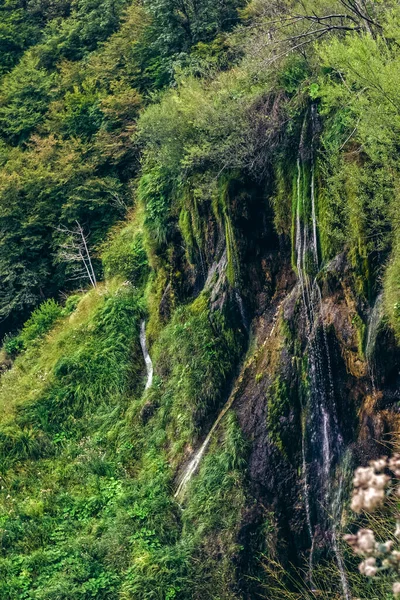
column 191, row 226
column 282, row 199
column 285, row 331
column 155, row 194
column 194, row 355
column 187, row 233
column 361, row 330
column 392, row 291
column 156, row 287
column 221, row 210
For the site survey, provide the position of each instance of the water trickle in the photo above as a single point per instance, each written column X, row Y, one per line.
column 307, row 506
column 326, row 444
column 313, row 212
column 239, row 302
column 194, row 463
column 299, row 241
column 374, row 322
column 146, row 355
column 321, row 440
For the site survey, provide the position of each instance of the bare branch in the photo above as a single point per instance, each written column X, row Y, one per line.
column 75, row 250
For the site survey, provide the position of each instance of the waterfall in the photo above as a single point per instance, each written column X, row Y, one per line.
column 307, row 506
column 374, row 322
column 146, row 355
column 192, row 466
column 239, row 302
column 322, row 442
column 313, row 213
column 194, row 463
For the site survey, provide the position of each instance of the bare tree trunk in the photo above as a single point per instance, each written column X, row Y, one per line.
column 75, row 250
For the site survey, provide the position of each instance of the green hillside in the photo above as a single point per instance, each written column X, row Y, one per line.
column 216, row 181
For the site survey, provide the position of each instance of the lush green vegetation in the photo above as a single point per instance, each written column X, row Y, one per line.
column 134, row 137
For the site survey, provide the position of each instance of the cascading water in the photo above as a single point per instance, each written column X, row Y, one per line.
column 313, row 211
column 146, row 355
column 240, row 304
column 322, row 443
column 307, row 506
column 373, row 326
column 194, row 463
column 374, row 323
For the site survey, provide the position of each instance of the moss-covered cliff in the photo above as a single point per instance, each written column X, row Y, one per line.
column 218, row 184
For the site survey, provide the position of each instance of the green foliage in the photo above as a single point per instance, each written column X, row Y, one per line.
column 359, row 206
column 223, row 214
column 124, row 256
column 213, row 513
column 60, row 537
column 16, row 34
column 70, row 304
column 12, row 344
column 180, row 24
column 88, row 460
column 41, row 189
column 154, row 191
column 24, row 97
column 195, row 354
column 40, row 323
column 392, row 290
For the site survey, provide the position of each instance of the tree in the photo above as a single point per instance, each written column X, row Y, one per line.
column 75, row 250
column 179, row 24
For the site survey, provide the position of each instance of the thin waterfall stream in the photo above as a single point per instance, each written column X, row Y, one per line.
column 374, row 322
column 146, row 355
column 194, row 463
column 322, row 442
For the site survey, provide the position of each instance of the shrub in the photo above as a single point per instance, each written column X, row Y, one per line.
column 124, row 256
column 41, row 321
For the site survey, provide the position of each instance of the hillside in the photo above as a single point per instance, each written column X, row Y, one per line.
column 199, row 299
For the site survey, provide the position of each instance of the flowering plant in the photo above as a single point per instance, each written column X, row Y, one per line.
column 371, row 486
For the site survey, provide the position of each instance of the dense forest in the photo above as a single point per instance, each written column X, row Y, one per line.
column 199, row 299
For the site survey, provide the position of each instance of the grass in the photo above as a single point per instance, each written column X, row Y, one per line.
column 392, row 291
column 86, row 504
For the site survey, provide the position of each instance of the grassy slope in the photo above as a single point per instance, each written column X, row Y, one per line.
column 86, row 498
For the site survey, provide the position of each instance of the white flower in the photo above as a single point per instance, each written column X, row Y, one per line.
column 396, row 589
column 366, row 541
column 368, row 567
column 379, row 465
column 397, row 530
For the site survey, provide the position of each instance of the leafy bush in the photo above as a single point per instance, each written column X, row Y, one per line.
column 41, row 321
column 124, row 256
column 13, row 345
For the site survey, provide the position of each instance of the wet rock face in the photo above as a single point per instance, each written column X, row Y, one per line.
column 362, row 406
column 308, row 397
